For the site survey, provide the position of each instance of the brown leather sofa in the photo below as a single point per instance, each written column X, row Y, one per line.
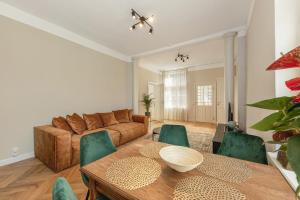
column 59, row 149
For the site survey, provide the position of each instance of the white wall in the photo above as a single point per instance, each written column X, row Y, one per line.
column 287, row 37
column 241, row 82
column 144, row 77
column 43, row 76
column 260, row 54
column 204, row 55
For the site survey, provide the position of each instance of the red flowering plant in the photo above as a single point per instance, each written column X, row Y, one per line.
column 285, row 122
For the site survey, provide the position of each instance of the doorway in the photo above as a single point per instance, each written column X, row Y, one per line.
column 154, row 90
column 210, row 102
column 205, row 102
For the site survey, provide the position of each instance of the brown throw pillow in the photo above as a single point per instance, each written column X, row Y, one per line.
column 60, row 122
column 93, row 121
column 108, row 119
column 130, row 113
column 122, row 116
column 77, row 123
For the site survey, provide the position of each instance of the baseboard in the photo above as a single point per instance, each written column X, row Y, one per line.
column 16, row 159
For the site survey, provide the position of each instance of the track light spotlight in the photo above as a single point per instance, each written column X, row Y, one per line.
column 151, row 19
column 151, row 31
column 133, row 14
column 132, row 27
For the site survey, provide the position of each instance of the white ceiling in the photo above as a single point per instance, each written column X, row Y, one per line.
column 205, row 55
column 107, row 22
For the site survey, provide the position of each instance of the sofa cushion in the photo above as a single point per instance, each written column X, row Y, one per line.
column 130, row 113
column 129, row 131
column 122, row 116
column 61, row 122
column 77, row 123
column 93, row 121
column 108, row 119
column 114, row 135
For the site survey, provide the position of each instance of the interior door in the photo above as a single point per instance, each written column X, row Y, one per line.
column 220, row 101
column 154, row 92
column 205, row 102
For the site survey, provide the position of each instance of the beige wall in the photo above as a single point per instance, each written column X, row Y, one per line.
column 287, row 27
column 44, row 76
column 198, row 77
column 144, row 77
column 260, row 54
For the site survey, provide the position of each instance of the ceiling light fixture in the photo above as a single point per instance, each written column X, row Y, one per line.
column 142, row 21
column 181, row 57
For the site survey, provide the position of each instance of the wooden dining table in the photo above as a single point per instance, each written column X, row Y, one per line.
column 265, row 182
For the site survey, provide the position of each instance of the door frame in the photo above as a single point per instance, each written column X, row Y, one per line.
column 156, row 101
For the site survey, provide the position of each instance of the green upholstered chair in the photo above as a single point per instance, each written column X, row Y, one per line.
column 243, row 146
column 62, row 190
column 174, row 134
column 93, row 147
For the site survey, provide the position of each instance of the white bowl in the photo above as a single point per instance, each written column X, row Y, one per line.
column 181, row 159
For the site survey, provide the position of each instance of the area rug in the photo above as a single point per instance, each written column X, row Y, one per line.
column 199, row 141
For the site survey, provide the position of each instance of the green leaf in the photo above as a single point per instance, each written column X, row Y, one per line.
column 294, row 106
column 292, row 125
column 292, row 114
column 298, row 191
column 293, row 152
column 279, row 103
column 284, row 128
column 275, row 142
column 283, row 147
column 269, row 122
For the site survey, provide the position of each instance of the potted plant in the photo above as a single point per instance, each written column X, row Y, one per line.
column 148, row 101
column 285, row 121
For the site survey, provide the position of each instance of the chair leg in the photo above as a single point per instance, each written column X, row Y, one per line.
column 87, row 195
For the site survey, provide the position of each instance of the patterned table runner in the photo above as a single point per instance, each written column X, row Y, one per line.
column 224, row 168
column 205, row 188
column 152, row 150
column 133, row 172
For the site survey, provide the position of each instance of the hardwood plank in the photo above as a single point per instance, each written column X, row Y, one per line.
column 32, row 180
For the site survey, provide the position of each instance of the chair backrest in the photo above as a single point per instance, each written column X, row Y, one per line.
column 243, row 146
column 174, row 134
column 93, row 147
column 62, row 190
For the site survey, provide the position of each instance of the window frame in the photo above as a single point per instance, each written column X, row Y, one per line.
column 204, row 95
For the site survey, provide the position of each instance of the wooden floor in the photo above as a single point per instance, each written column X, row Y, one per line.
column 32, row 180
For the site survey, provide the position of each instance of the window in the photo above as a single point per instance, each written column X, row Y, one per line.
column 175, row 89
column 204, row 95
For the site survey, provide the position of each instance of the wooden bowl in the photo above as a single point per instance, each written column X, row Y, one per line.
column 181, row 159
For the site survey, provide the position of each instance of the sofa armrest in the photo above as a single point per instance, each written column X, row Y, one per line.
column 53, row 147
column 142, row 119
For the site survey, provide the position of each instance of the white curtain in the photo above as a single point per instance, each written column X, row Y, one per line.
column 175, row 95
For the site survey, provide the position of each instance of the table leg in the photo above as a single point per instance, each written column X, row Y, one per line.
column 93, row 191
